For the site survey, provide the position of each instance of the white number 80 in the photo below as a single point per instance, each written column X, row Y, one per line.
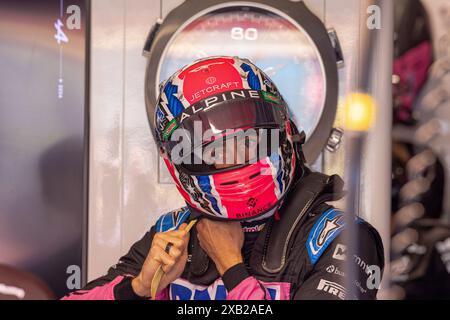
column 238, row 33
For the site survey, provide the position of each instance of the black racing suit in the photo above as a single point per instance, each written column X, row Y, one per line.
column 299, row 253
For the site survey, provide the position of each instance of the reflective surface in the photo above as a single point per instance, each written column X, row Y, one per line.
column 42, row 110
column 280, row 48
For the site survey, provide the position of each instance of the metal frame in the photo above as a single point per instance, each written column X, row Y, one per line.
column 87, row 75
column 162, row 34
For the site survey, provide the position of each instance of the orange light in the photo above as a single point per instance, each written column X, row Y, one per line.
column 359, row 112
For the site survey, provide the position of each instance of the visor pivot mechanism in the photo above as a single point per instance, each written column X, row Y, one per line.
column 334, row 141
column 299, row 138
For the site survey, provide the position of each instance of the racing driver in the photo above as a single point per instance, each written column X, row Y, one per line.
column 264, row 230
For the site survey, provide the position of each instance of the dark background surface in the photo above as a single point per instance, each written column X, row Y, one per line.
column 42, row 139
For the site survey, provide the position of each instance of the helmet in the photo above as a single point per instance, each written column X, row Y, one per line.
column 204, row 106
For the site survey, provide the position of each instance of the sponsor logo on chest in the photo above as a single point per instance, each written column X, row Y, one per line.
column 182, row 289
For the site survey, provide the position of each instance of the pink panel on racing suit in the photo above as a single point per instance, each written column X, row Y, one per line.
column 248, row 289
column 105, row 292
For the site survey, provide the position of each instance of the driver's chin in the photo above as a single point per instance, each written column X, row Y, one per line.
column 223, row 166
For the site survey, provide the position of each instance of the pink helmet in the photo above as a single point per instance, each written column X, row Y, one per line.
column 224, row 96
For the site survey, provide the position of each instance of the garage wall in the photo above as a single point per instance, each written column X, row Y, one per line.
column 125, row 197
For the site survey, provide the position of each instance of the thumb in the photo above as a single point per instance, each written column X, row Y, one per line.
column 182, row 226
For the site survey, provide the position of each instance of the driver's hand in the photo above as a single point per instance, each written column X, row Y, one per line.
column 172, row 263
column 222, row 241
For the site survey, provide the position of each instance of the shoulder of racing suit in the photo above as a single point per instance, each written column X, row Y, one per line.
column 305, row 246
column 131, row 263
column 172, row 220
column 325, row 260
column 321, row 249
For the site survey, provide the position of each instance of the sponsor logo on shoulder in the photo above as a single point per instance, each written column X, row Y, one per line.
column 324, row 231
column 340, row 252
column 330, row 226
column 335, row 270
column 332, row 288
column 373, row 272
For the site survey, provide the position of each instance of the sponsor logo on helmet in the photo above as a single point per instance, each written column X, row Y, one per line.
column 171, row 127
column 213, row 101
column 211, row 80
column 270, row 97
column 252, row 202
column 253, row 213
column 214, row 88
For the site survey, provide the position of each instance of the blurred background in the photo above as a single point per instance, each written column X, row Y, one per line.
column 80, row 178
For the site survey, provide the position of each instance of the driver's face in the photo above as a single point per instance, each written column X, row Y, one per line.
column 237, row 150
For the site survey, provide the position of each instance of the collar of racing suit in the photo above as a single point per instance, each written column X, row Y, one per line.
column 275, row 240
column 267, row 241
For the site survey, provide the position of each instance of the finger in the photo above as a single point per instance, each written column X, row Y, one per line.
column 176, row 241
column 183, row 232
column 174, row 233
column 173, row 251
column 177, row 233
column 166, row 269
column 163, row 258
column 177, row 238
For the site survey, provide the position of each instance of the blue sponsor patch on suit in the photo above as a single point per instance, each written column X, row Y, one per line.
column 324, row 231
column 182, row 289
column 172, row 220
